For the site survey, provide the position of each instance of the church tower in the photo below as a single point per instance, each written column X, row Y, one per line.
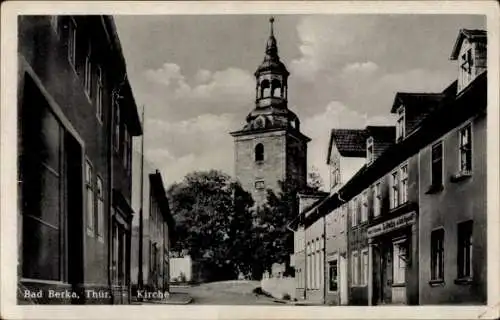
column 270, row 147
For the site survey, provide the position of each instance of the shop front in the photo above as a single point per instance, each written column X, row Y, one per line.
column 393, row 261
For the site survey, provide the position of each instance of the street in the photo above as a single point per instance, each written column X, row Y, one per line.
column 236, row 292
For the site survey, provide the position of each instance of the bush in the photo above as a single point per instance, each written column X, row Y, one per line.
column 286, row 296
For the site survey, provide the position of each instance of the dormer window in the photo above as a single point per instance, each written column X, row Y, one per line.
column 467, row 62
column 400, row 125
column 369, row 150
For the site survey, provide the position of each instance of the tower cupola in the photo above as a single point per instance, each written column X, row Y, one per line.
column 271, row 76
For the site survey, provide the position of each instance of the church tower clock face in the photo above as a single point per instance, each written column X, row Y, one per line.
column 270, row 148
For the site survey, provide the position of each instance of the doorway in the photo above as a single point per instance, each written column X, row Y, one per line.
column 343, row 281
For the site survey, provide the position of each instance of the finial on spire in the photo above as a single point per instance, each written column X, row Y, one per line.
column 271, row 20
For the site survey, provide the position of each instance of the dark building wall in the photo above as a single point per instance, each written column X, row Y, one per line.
column 44, row 50
column 296, row 161
column 457, row 202
column 335, row 247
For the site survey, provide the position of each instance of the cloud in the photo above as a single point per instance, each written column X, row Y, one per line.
column 200, row 143
column 359, row 68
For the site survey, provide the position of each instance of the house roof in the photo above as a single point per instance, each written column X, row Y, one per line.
column 445, row 117
column 423, row 101
column 471, row 35
column 381, row 133
column 349, row 142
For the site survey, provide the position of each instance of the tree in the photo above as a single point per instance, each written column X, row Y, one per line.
column 314, row 180
column 214, row 223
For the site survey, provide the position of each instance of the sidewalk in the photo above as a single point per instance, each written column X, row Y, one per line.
column 174, row 298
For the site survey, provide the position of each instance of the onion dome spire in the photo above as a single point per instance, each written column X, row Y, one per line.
column 271, row 59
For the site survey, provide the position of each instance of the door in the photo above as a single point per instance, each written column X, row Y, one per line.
column 343, row 281
column 400, row 254
column 377, row 275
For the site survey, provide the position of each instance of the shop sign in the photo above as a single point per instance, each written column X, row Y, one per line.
column 393, row 224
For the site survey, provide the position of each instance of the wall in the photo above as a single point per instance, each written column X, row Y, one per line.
column 458, row 201
column 279, row 287
column 44, row 50
column 181, row 265
column 336, row 245
column 271, row 170
column 315, row 269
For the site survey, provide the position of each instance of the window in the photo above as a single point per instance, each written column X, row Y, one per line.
column 464, row 255
column 364, row 206
column 400, row 125
column 89, row 196
column 116, row 122
column 400, row 255
column 333, row 275
column 404, row 184
column 377, row 197
column 259, row 152
column 354, row 268
column 467, row 61
column 437, row 164
column 369, row 150
column 364, row 267
column 466, row 149
column 87, row 78
column 354, row 212
column 437, row 254
column 98, row 101
column 43, row 165
column 259, row 185
column 394, row 196
column 100, row 208
column 72, row 42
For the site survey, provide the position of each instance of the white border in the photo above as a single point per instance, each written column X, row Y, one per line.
column 8, row 151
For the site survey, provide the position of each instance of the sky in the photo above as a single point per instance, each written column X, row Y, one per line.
column 194, row 76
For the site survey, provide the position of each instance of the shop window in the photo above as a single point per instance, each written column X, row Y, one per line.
column 464, row 256
column 333, row 275
column 466, row 150
column 437, row 254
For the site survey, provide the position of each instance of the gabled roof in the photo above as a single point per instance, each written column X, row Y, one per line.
column 416, row 99
column 349, row 142
column 381, row 133
column 471, row 35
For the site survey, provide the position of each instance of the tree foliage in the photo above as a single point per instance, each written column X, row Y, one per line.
column 214, row 223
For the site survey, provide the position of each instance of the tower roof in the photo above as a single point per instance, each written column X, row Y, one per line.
column 271, row 59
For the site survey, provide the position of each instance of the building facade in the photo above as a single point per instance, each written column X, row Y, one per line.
column 453, row 175
column 76, row 117
column 270, row 148
column 416, row 211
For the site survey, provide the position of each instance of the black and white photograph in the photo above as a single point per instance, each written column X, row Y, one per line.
column 264, row 156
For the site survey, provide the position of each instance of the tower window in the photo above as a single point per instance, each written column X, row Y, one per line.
column 276, row 88
column 259, row 152
column 265, row 89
